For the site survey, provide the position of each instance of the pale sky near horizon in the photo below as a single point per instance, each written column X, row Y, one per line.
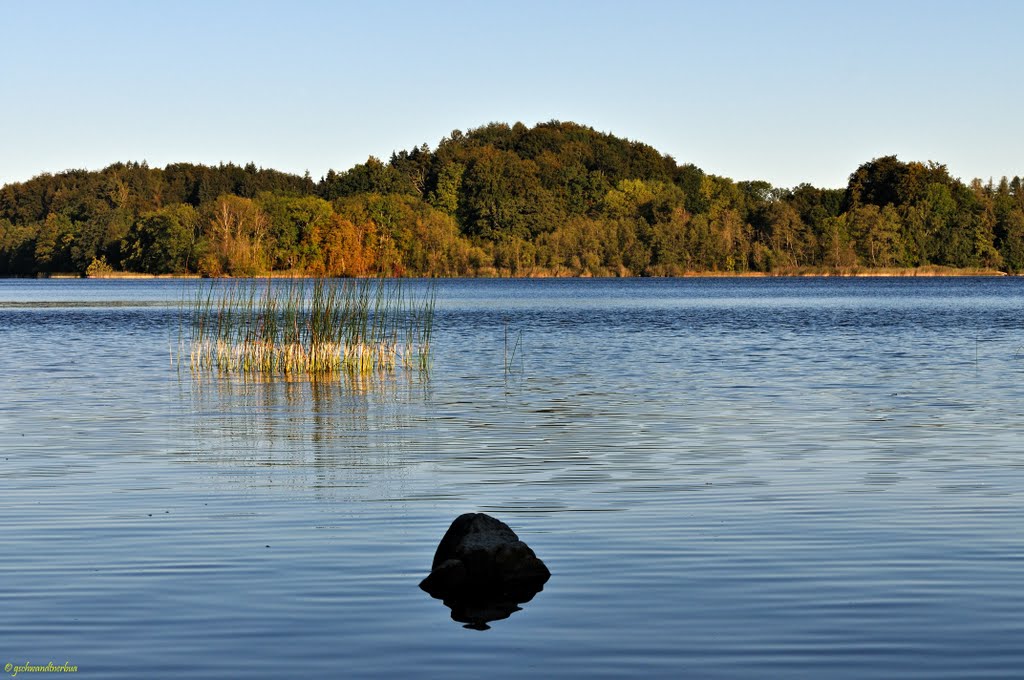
column 784, row 91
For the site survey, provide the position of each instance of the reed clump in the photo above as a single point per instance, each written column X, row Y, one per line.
column 313, row 327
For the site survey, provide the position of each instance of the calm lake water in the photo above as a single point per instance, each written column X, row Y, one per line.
column 760, row 478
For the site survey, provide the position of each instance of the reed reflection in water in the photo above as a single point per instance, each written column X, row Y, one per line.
column 321, row 434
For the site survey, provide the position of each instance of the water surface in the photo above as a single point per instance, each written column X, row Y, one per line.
column 728, row 479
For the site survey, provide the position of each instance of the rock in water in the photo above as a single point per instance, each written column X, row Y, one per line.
column 481, row 556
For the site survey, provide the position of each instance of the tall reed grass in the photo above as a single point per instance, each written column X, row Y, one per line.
column 312, row 327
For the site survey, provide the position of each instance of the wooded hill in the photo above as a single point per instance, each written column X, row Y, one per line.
column 555, row 199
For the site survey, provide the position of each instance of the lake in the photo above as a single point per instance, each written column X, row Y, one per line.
column 728, row 478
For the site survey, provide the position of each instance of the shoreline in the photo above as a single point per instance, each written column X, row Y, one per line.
column 888, row 272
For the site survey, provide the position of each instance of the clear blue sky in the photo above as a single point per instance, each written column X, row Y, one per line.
column 784, row 91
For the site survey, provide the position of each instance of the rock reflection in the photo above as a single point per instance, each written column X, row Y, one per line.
column 476, row 611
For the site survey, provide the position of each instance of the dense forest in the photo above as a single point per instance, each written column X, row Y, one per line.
column 555, row 199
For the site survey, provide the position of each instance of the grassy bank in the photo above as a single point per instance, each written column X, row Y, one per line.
column 556, row 272
column 928, row 271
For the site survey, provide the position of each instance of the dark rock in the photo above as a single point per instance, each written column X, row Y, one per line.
column 483, row 571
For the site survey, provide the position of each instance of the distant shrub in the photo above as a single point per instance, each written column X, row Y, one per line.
column 98, row 268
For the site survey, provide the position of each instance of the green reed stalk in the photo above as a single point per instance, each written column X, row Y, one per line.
column 318, row 329
column 425, row 325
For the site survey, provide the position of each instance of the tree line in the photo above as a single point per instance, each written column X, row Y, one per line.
column 555, row 199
